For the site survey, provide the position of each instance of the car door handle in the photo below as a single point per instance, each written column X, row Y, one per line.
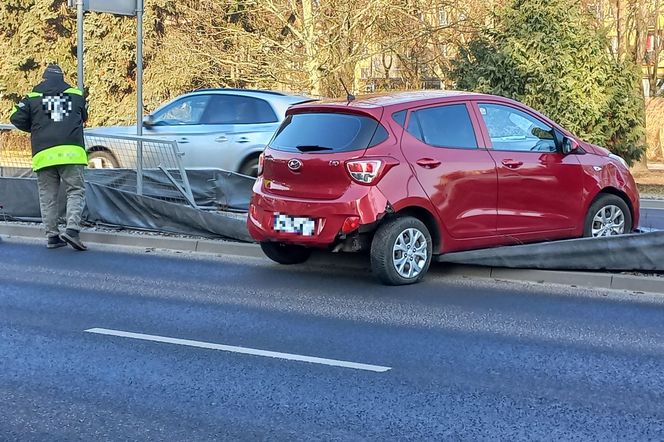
column 221, row 139
column 512, row 164
column 183, row 140
column 243, row 140
column 428, row 163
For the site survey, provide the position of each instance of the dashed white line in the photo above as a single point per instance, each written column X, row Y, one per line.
column 242, row 350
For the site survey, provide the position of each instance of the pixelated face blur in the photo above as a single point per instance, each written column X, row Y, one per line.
column 57, row 106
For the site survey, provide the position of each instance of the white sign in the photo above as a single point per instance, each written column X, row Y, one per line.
column 122, row 7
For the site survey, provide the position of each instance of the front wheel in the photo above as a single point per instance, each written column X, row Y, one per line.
column 401, row 251
column 608, row 216
column 285, row 253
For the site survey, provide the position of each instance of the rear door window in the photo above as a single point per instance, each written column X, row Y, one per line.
column 400, row 117
column 237, row 109
column 443, row 126
column 328, row 132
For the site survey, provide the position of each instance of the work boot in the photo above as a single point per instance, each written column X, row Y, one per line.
column 72, row 238
column 55, row 242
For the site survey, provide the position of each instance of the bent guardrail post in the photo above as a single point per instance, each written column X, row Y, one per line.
column 183, row 173
column 187, row 195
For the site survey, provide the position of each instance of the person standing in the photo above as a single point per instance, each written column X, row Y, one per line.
column 54, row 114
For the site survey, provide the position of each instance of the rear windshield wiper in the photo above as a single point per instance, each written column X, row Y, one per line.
column 312, row 148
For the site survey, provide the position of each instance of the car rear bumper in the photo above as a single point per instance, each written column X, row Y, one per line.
column 364, row 202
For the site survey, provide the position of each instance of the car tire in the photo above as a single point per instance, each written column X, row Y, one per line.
column 607, row 216
column 250, row 167
column 394, row 260
column 102, row 159
column 286, row 254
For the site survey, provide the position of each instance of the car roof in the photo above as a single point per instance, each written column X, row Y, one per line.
column 376, row 104
column 256, row 93
column 398, row 98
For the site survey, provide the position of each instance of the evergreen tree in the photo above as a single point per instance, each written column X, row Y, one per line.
column 551, row 55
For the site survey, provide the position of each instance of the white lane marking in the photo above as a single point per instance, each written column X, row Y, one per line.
column 243, row 350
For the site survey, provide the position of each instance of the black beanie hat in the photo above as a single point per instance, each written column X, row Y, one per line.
column 53, row 71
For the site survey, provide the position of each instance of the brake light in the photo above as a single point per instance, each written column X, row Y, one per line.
column 261, row 162
column 364, row 171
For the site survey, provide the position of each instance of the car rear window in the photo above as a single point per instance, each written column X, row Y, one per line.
column 330, row 132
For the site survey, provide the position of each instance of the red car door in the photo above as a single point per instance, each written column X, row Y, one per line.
column 539, row 188
column 453, row 167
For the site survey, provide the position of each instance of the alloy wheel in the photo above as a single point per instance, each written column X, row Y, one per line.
column 608, row 221
column 409, row 254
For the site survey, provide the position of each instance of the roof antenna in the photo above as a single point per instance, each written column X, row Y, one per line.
column 349, row 97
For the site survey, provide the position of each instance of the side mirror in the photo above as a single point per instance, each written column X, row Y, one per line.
column 148, row 121
column 570, row 145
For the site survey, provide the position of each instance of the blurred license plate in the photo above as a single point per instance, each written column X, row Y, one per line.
column 294, row 224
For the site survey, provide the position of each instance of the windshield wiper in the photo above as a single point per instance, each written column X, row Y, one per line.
column 311, row 148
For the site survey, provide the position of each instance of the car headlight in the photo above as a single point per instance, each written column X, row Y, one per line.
column 619, row 159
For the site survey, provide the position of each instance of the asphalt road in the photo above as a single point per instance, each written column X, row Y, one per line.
column 652, row 218
column 446, row 359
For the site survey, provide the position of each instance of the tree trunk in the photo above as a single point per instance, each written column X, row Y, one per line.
column 312, row 65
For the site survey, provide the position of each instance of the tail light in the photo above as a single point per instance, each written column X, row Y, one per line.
column 261, row 162
column 364, row 171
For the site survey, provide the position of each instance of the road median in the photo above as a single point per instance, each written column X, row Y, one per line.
column 598, row 280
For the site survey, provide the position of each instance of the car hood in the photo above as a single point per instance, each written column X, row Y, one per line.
column 597, row 150
column 112, row 130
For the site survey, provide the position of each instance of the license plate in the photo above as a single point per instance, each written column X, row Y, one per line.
column 294, row 224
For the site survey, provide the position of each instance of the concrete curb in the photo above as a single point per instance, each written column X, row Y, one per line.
column 354, row 261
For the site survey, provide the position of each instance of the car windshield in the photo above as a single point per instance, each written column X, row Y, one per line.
column 184, row 111
column 327, row 132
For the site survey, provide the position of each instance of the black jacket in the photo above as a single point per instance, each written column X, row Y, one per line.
column 54, row 113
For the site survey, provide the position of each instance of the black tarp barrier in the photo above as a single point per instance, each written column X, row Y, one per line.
column 111, row 206
column 640, row 251
column 210, row 187
column 20, row 200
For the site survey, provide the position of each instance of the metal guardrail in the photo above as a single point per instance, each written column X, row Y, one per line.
column 15, row 153
column 152, row 160
column 146, row 166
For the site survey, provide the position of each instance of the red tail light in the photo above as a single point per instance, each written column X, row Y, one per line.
column 261, row 162
column 370, row 169
column 364, row 171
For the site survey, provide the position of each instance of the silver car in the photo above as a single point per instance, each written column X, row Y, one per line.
column 214, row 128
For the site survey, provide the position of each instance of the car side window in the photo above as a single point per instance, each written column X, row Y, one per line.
column 185, row 111
column 400, row 117
column 237, row 109
column 512, row 129
column 443, row 126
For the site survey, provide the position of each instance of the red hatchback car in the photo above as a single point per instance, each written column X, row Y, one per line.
column 410, row 176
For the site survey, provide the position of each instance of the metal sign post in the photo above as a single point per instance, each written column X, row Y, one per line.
column 121, row 7
column 79, row 44
column 139, row 95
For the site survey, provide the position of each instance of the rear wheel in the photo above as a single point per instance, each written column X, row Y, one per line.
column 250, row 167
column 401, row 251
column 285, row 253
column 608, row 216
column 102, row 159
